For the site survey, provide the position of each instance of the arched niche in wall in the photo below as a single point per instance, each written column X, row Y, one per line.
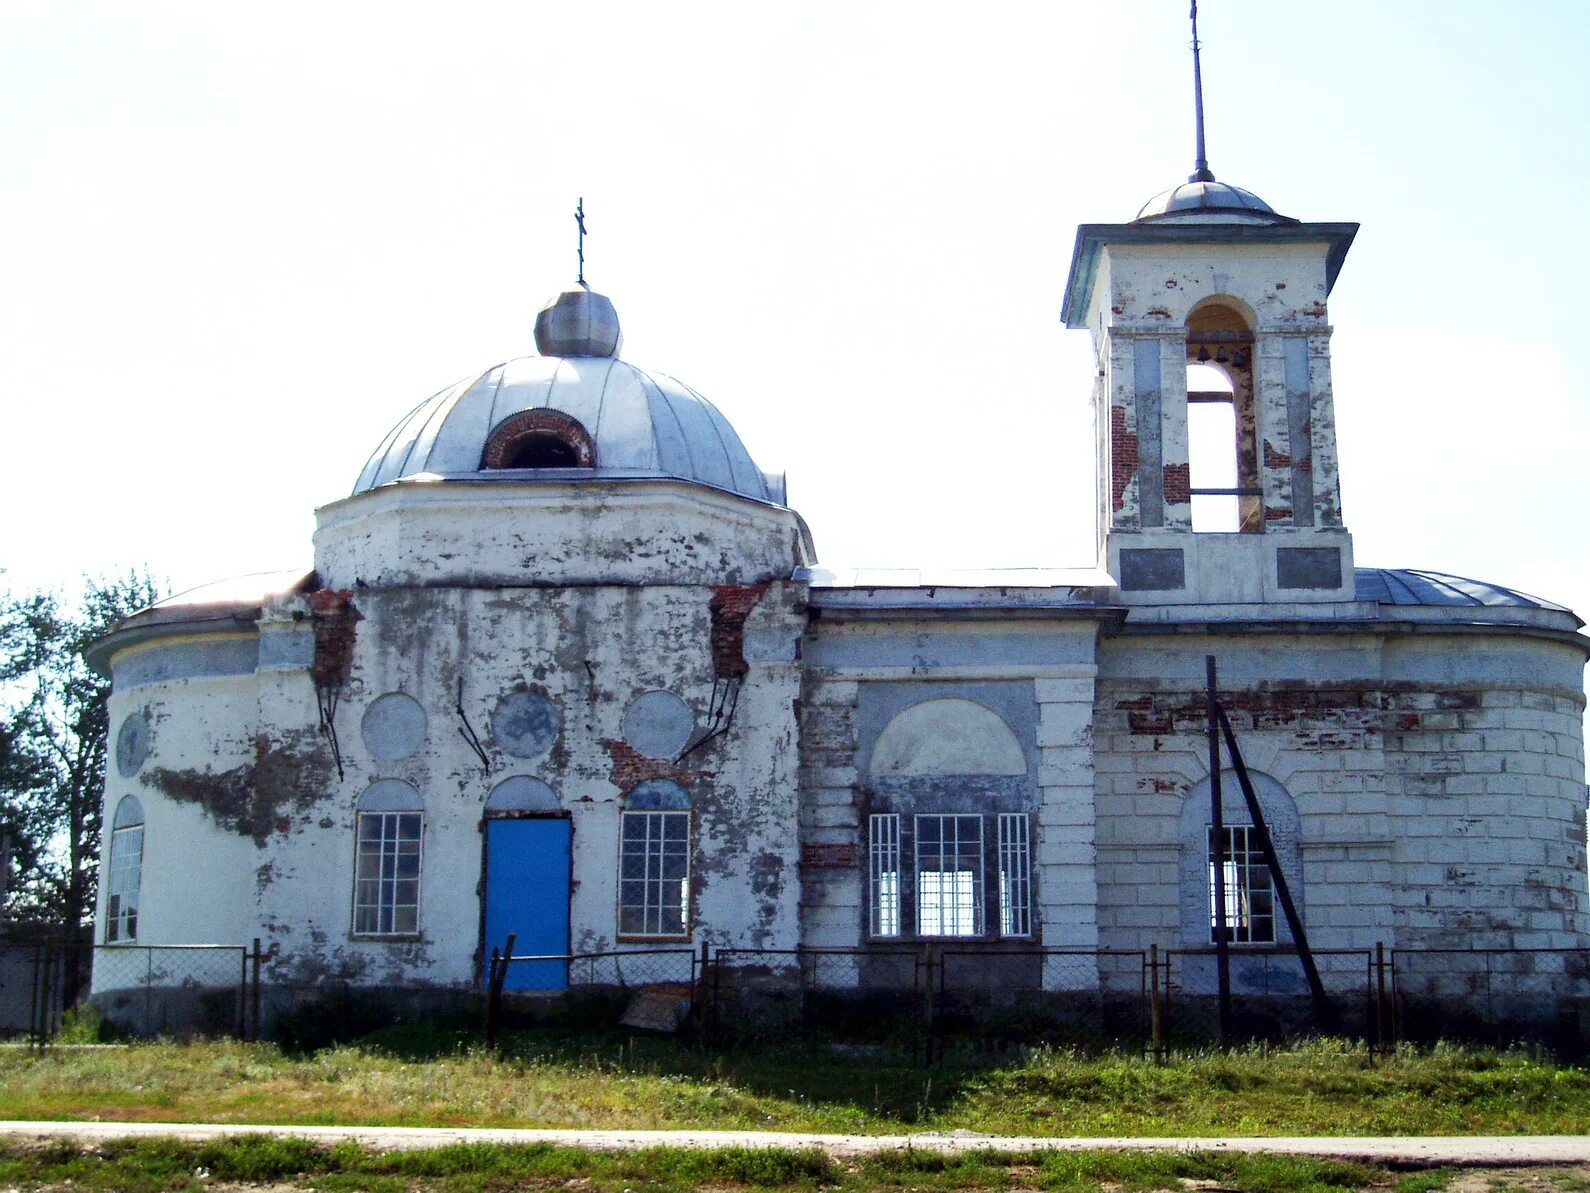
column 390, row 795
column 657, row 795
column 522, row 795
column 1253, row 913
column 947, row 736
column 949, row 806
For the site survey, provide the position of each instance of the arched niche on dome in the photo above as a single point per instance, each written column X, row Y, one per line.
column 541, row 438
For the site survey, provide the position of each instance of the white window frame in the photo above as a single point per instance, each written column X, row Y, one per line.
column 386, row 899
column 1249, row 888
column 1015, row 874
column 883, row 865
column 948, row 904
column 123, row 884
column 654, row 875
column 902, row 888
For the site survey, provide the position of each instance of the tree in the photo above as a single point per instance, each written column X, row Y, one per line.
column 53, row 726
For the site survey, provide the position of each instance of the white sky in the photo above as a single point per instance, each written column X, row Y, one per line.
column 237, row 243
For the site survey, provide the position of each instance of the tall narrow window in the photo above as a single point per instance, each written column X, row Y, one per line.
column 949, row 875
column 126, row 872
column 1015, row 875
column 654, row 874
column 1250, row 895
column 386, row 873
column 654, row 861
column 884, row 869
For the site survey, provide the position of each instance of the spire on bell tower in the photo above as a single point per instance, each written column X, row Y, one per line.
column 1214, row 412
column 1201, row 171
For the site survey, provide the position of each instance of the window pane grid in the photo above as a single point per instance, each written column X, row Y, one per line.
column 126, row 872
column 949, row 875
column 1250, row 896
column 1015, row 875
column 884, row 853
column 654, row 874
column 386, row 899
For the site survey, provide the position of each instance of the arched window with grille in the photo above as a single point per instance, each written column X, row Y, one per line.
column 124, row 879
column 389, row 840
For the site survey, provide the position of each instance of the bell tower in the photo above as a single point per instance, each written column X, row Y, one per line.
column 1217, row 479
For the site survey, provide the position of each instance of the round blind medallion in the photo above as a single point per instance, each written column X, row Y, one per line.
column 393, row 727
column 525, row 724
column 658, row 724
column 133, row 740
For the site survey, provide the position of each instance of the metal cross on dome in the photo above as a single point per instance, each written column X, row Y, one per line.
column 579, row 220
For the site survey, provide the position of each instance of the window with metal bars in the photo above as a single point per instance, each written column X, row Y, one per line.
column 1249, row 890
column 883, row 851
column 386, row 888
column 654, row 875
column 1015, row 875
column 945, row 891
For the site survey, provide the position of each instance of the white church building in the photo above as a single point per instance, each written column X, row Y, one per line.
column 568, row 666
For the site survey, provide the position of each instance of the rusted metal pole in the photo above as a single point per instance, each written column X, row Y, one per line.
column 1217, row 852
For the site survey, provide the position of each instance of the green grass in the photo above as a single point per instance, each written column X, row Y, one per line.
column 547, row 1079
column 144, row 1166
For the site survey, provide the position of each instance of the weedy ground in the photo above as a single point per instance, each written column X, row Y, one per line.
column 275, row 1163
column 437, row 1075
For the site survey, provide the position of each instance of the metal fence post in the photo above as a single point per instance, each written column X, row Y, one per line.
column 491, row 1002
column 254, row 992
column 698, row 980
column 929, row 1034
column 1382, row 1017
column 1156, row 1021
column 499, row 975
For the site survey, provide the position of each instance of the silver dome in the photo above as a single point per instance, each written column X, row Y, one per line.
column 1196, row 200
column 643, row 425
column 578, row 322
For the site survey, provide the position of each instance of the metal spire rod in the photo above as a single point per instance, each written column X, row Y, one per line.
column 579, row 219
column 1201, row 171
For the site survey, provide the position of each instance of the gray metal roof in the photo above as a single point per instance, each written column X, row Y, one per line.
column 1209, row 198
column 1415, row 586
column 643, row 424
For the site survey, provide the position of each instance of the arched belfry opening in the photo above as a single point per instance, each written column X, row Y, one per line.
column 1225, row 487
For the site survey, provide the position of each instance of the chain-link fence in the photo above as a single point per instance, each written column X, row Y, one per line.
column 177, row 990
column 840, row 994
column 655, row 989
column 136, row 990
column 1271, row 996
column 1493, row 995
column 1005, row 996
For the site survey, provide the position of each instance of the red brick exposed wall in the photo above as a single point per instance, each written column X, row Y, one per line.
column 731, row 604
column 1123, row 457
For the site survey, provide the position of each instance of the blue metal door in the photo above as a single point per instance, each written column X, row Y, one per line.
column 527, row 893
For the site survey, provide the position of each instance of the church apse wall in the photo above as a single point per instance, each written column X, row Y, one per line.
column 1437, row 791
